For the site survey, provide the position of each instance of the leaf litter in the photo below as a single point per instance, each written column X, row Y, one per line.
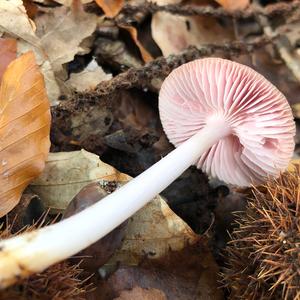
column 103, row 64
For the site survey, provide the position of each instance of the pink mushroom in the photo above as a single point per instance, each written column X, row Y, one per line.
column 250, row 118
column 223, row 116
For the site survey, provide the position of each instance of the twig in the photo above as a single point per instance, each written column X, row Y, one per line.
column 281, row 8
column 161, row 67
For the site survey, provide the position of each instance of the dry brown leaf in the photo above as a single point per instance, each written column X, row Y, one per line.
column 66, row 173
column 61, row 32
column 195, row 30
column 155, row 229
column 234, row 4
column 110, row 7
column 8, row 52
column 24, row 129
column 134, row 35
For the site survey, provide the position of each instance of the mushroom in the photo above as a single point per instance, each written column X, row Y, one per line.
column 222, row 116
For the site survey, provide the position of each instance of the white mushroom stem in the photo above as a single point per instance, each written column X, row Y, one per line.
column 33, row 252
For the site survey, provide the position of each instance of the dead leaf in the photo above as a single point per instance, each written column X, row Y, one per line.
column 61, row 33
column 89, row 78
column 134, row 35
column 110, row 7
column 24, row 129
column 137, row 293
column 153, row 231
column 234, row 4
column 195, row 30
column 15, row 23
column 66, row 173
column 8, row 52
column 14, row 20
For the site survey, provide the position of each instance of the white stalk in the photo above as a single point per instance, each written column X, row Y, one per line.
column 33, row 252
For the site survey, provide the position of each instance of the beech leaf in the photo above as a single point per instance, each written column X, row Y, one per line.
column 66, row 173
column 8, row 52
column 24, row 129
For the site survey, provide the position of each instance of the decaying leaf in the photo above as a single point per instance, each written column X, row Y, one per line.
column 195, row 30
column 8, row 52
column 24, row 129
column 88, row 79
column 66, row 173
column 111, row 7
column 134, row 35
column 234, row 4
column 62, row 31
column 15, row 23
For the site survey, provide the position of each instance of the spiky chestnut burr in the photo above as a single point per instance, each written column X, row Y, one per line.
column 263, row 257
column 61, row 281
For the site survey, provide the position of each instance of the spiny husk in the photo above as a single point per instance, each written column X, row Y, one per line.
column 62, row 281
column 263, row 257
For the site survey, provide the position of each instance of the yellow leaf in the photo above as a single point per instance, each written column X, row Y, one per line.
column 24, row 129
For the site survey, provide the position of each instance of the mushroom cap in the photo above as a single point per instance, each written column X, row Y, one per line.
column 261, row 142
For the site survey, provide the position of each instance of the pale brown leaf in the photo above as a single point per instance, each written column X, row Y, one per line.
column 61, row 33
column 189, row 31
column 24, row 129
column 66, row 173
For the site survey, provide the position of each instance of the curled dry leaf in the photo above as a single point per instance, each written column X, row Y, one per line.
column 24, row 129
column 234, row 4
column 8, row 52
column 110, row 7
column 134, row 35
column 66, row 173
